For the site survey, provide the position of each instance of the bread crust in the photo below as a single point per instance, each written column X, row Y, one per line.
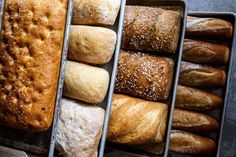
column 213, row 28
column 30, row 57
column 196, row 99
column 145, row 76
column 188, row 143
column 193, row 121
column 205, row 52
column 197, row 75
column 135, row 121
column 151, row 29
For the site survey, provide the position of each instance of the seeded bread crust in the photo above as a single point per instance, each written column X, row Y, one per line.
column 145, row 76
column 30, row 57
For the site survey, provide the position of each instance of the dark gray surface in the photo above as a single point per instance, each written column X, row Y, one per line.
column 228, row 148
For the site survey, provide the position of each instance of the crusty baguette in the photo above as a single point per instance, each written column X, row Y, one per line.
column 95, row 12
column 30, row 57
column 193, row 121
column 93, row 45
column 135, row 121
column 197, row 75
column 212, row 28
column 188, row 143
column 204, row 52
column 86, row 83
column 151, row 29
column 196, row 99
column 145, row 76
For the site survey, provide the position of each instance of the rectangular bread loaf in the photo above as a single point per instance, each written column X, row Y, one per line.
column 151, row 29
column 30, row 57
column 145, row 76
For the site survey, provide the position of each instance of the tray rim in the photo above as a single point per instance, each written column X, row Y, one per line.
column 229, row 70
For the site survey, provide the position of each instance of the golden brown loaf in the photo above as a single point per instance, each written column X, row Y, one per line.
column 95, row 12
column 79, row 129
column 193, row 121
column 86, row 83
column 204, row 52
column 196, row 99
column 93, row 45
column 145, row 76
column 30, row 57
column 135, row 121
column 151, row 29
column 188, row 143
column 197, row 75
column 208, row 27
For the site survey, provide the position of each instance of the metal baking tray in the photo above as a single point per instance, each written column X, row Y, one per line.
column 219, row 113
column 2, row 6
column 113, row 149
column 111, row 67
column 40, row 144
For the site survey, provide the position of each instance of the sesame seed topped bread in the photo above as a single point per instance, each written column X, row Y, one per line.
column 30, row 56
column 151, row 29
column 145, row 76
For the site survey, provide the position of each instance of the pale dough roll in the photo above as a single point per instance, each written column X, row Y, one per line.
column 85, row 82
column 93, row 45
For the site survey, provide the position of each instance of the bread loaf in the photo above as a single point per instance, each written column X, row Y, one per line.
column 135, row 121
column 210, row 28
column 204, row 52
column 86, row 83
column 30, row 57
column 151, row 29
column 188, row 143
column 197, row 75
column 145, row 76
column 95, row 12
column 195, row 99
column 193, row 121
column 93, row 45
column 79, row 129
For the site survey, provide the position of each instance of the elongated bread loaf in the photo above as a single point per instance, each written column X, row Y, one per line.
column 196, row 99
column 30, row 57
column 135, row 121
column 93, row 45
column 210, row 28
column 145, row 76
column 151, row 29
column 85, row 82
column 197, row 75
column 193, row 121
column 204, row 52
column 188, row 143
column 95, row 12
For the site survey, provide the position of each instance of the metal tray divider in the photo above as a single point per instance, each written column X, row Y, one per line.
column 61, row 79
column 113, row 77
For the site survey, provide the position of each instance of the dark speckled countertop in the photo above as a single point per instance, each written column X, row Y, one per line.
column 228, row 145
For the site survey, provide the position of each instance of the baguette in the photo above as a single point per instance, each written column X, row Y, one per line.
column 197, row 75
column 135, row 121
column 151, row 29
column 204, row 52
column 188, row 143
column 196, row 99
column 145, row 76
column 213, row 28
column 193, row 121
